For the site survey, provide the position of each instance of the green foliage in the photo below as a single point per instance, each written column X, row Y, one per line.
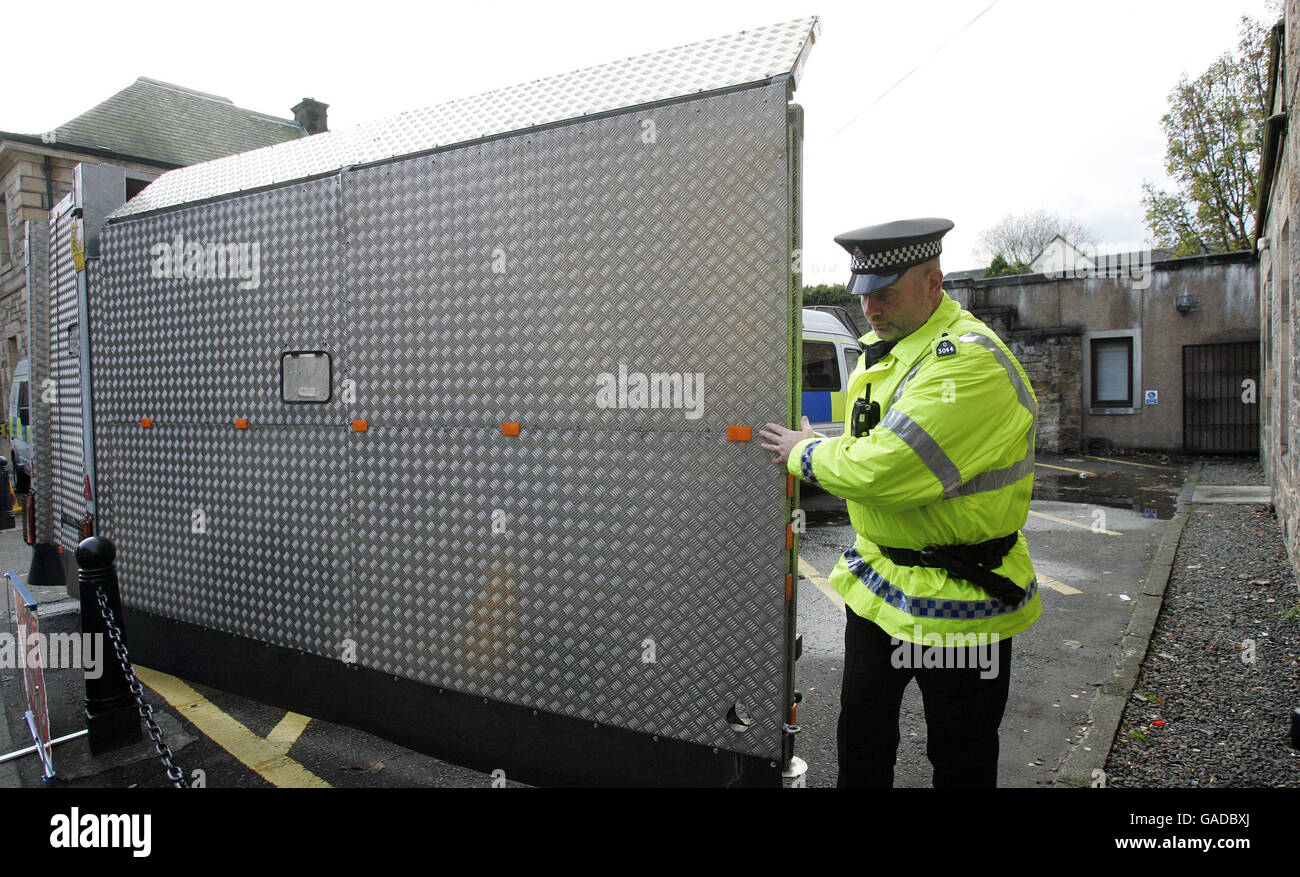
column 828, row 294
column 1000, row 267
column 1213, row 130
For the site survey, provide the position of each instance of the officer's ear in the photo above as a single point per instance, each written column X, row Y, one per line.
column 933, row 281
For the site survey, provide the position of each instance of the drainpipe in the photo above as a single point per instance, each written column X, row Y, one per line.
column 49, row 185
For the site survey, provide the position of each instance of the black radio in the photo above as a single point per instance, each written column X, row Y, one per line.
column 866, row 415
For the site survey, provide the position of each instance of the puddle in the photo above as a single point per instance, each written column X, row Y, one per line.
column 822, row 508
column 1149, row 492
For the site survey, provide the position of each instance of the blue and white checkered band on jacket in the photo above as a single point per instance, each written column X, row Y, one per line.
column 805, row 462
column 912, row 254
column 929, row 607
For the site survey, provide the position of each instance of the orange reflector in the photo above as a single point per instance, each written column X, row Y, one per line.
column 789, row 537
column 146, row 422
column 360, row 425
column 789, row 485
column 789, row 586
column 794, row 713
column 739, row 433
column 510, row 429
column 241, row 423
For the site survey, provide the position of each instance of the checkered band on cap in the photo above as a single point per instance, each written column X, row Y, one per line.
column 912, row 254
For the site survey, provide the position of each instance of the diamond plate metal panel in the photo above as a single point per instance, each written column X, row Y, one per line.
column 622, row 524
column 68, row 468
column 541, row 569
column 217, row 343
column 726, row 62
column 516, row 280
column 241, row 531
column 37, row 257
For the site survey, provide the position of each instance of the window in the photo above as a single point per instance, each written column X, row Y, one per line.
column 821, row 369
column 24, row 407
column 305, row 376
column 851, row 355
column 4, row 232
column 1112, row 371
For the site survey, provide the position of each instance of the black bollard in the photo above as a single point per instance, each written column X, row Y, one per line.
column 112, row 718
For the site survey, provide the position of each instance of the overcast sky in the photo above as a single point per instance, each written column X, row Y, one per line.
column 1036, row 104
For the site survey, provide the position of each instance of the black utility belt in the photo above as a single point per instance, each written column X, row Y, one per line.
column 974, row 563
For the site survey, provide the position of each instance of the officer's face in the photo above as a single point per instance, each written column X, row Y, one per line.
column 903, row 307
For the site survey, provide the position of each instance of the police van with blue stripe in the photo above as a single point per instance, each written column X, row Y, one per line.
column 830, row 352
column 20, row 429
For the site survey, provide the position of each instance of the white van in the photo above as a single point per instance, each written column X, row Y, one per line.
column 830, row 351
column 20, row 430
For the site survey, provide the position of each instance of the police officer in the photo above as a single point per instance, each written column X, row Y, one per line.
column 936, row 467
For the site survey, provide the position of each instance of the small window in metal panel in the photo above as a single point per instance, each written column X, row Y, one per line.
column 74, row 341
column 305, row 376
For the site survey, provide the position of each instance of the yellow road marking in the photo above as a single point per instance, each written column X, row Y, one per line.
column 1074, row 523
column 808, row 571
column 1127, row 463
column 267, row 757
column 1065, row 468
column 287, row 732
column 1049, row 582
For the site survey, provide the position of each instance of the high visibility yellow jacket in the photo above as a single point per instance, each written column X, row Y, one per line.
column 950, row 463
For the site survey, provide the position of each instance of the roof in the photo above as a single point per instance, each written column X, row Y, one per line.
column 1067, row 249
column 824, row 323
column 174, row 125
column 1159, row 260
column 746, row 58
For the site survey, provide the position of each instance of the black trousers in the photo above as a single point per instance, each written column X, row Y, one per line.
column 962, row 709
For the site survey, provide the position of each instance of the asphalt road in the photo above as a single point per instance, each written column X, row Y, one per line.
column 1091, row 543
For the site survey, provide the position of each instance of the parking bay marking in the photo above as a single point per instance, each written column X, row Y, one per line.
column 1074, row 523
column 1060, row 587
column 1129, row 463
column 267, row 757
column 808, row 571
column 1065, row 468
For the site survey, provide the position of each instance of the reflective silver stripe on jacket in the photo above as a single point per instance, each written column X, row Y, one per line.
column 938, row 462
column 925, row 447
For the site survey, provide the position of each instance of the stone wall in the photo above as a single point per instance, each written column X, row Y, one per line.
column 1177, row 303
column 1053, row 362
column 1279, row 252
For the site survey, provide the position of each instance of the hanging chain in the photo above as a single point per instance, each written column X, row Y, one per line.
column 174, row 773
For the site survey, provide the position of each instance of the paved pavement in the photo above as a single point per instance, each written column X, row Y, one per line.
column 1096, row 536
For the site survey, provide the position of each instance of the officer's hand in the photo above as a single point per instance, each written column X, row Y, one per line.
column 780, row 440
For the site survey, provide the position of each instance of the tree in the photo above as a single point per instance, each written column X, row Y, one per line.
column 1212, row 129
column 1019, row 237
column 1000, row 267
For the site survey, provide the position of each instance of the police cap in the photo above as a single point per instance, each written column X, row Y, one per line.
column 881, row 253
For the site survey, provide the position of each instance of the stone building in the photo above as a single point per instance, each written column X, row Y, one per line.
column 1276, row 242
column 148, row 127
column 1134, row 352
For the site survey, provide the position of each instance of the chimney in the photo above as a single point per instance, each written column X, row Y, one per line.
column 310, row 113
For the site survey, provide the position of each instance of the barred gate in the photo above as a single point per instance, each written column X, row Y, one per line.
column 1220, row 398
